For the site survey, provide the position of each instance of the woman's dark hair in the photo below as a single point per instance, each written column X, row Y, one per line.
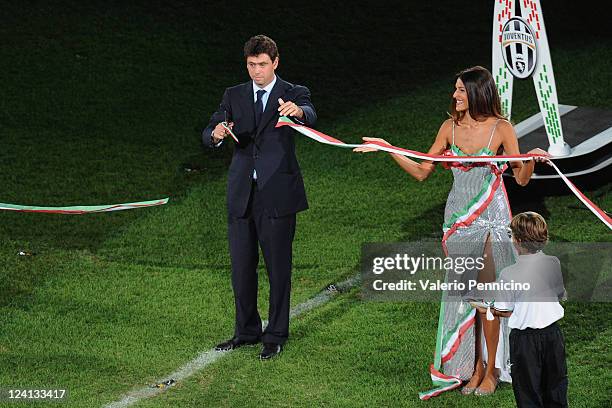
column 483, row 98
column 260, row 44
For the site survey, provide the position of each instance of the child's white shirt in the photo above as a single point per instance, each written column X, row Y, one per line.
column 539, row 307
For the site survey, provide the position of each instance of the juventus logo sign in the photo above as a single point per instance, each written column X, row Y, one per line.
column 520, row 50
column 519, row 47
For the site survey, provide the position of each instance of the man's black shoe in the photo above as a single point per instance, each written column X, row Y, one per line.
column 233, row 343
column 270, row 350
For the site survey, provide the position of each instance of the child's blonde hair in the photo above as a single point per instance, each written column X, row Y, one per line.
column 530, row 230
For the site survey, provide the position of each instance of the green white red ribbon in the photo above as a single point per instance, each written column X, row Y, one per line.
column 445, row 350
column 226, row 127
column 323, row 138
column 605, row 218
column 83, row 209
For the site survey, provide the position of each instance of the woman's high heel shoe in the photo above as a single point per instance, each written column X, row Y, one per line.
column 467, row 390
column 479, row 392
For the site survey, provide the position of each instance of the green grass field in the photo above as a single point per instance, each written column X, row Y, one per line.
column 105, row 103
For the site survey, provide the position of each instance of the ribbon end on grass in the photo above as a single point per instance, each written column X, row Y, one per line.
column 83, row 209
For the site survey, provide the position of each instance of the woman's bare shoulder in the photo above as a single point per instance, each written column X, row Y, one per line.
column 447, row 124
column 505, row 127
column 445, row 130
column 504, row 124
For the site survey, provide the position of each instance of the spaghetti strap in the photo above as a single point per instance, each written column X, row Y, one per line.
column 492, row 133
column 453, row 131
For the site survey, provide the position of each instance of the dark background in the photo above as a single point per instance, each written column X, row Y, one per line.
column 349, row 53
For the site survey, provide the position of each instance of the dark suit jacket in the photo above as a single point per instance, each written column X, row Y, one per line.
column 268, row 150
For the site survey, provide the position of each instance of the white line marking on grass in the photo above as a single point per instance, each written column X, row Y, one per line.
column 208, row 357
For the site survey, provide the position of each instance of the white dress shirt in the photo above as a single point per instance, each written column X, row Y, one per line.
column 267, row 88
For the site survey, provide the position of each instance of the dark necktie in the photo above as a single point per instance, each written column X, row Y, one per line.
column 259, row 106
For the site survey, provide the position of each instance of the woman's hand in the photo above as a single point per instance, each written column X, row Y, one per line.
column 539, row 151
column 480, row 309
column 364, row 149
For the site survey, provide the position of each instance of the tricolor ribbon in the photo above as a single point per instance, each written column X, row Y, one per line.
column 84, row 209
column 445, row 350
column 226, row 127
column 326, row 139
column 442, row 382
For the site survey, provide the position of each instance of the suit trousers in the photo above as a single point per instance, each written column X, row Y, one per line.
column 539, row 371
column 275, row 237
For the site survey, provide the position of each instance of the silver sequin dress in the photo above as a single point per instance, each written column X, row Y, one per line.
column 477, row 207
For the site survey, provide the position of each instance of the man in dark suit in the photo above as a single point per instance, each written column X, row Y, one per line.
column 265, row 191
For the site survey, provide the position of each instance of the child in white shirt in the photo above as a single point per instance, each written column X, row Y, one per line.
column 537, row 348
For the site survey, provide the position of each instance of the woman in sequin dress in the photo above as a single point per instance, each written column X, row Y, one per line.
column 476, row 217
